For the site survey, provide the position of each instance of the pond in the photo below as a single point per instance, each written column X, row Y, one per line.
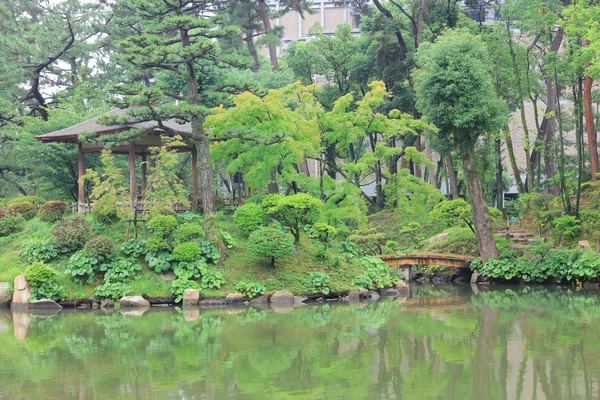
column 443, row 342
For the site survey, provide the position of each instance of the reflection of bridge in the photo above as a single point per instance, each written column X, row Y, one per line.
column 410, row 259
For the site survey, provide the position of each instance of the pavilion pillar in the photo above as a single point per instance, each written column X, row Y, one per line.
column 144, row 175
column 195, row 194
column 80, row 182
column 132, row 183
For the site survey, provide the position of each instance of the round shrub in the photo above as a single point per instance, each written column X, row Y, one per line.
column 270, row 242
column 101, row 247
column 162, row 225
column 44, row 282
column 161, row 210
column 157, row 243
column 10, row 224
column 35, row 200
column 249, row 217
column 52, row 211
column 105, row 211
column 187, row 252
column 188, row 232
column 71, row 233
column 24, row 209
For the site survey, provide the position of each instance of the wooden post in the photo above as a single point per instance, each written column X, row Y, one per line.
column 195, row 194
column 132, row 183
column 408, row 273
column 80, row 173
column 144, row 176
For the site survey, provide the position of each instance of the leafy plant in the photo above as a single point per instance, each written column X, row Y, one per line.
column 188, row 270
column 319, row 282
column 156, row 243
column 40, row 251
column 250, row 289
column 112, row 290
column 10, row 224
column 322, row 232
column 71, row 233
column 44, row 282
column 186, row 252
column 52, row 211
column 227, row 239
column 159, row 261
column 249, row 217
column 23, row 209
column 188, row 232
column 567, row 227
column 121, row 270
column 211, row 278
column 82, row 266
column 294, row 211
column 209, row 252
column 270, row 242
column 163, row 225
column 134, row 249
column 376, row 274
column 179, row 286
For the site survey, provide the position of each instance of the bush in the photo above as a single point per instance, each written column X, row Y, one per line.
column 44, row 282
column 83, row 267
column 71, row 233
column 112, row 290
column 249, row 217
column 23, row 209
column 163, row 225
column 52, row 211
column 159, row 261
column 211, row 278
column 121, row 270
column 566, row 227
column 134, row 249
column 322, row 232
column 35, row 200
column 209, row 252
column 250, row 289
column 188, row 232
column 161, row 210
column 293, row 212
column 319, row 282
column 10, row 224
column 270, row 242
column 105, row 210
column 40, row 251
column 187, row 252
column 376, row 274
column 100, row 247
column 157, row 243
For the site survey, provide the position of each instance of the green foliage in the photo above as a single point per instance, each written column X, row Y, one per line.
column 121, row 270
column 35, row 200
column 211, row 278
column 567, row 227
column 159, row 261
column 10, row 224
column 188, row 270
column 228, row 240
column 82, row 266
column 100, row 247
column 156, row 243
column 413, row 231
column 270, row 242
column 209, row 252
column 186, row 252
column 71, row 233
column 188, row 232
column 319, row 281
column 452, row 213
column 322, row 232
column 44, row 282
column 249, row 217
column 24, row 209
column 112, row 290
column 294, row 211
column 376, row 274
column 40, row 252
column 52, row 211
column 179, row 286
column 250, row 289
column 459, row 241
column 105, row 211
column 163, row 225
column 134, row 249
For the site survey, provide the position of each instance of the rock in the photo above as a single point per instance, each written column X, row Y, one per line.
column 260, row 300
column 84, row 306
column 439, row 238
column 45, row 304
column 282, row 309
column 299, row 300
column 391, row 293
column 22, row 293
column 95, row 305
column 107, row 303
column 401, row 285
column 282, row 298
column 246, row 303
column 234, row 298
column 191, row 297
column 212, row 303
column 4, row 296
column 441, row 279
column 169, row 276
column 134, row 312
column 373, row 296
column 134, row 302
column 354, row 296
column 364, row 293
column 585, row 245
column 191, row 314
column 21, row 324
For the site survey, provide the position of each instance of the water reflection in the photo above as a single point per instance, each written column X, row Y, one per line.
column 440, row 343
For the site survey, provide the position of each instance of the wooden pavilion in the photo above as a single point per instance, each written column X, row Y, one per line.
column 150, row 137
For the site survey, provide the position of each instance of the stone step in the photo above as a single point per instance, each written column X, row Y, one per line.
column 522, row 235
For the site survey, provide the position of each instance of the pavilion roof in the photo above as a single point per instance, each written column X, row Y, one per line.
column 71, row 134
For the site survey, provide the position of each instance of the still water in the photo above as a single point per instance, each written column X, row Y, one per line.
column 442, row 343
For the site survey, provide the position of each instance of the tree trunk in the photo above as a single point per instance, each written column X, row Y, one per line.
column 589, row 125
column 252, row 50
column 499, row 182
column 513, row 161
column 331, row 160
column 481, row 218
column 267, row 24
column 452, row 177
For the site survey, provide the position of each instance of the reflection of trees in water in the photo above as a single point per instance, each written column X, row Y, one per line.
column 521, row 344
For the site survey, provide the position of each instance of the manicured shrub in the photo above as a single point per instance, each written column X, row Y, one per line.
column 35, row 200
column 156, row 243
column 322, row 232
column 23, row 209
column 44, row 282
column 105, row 210
column 52, row 211
column 10, row 224
column 250, row 289
column 72, row 233
column 249, row 217
column 100, row 246
column 186, row 252
column 293, row 212
column 566, row 227
column 188, row 232
column 163, row 225
column 270, row 242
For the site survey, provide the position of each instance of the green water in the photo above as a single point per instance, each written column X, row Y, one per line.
column 443, row 343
